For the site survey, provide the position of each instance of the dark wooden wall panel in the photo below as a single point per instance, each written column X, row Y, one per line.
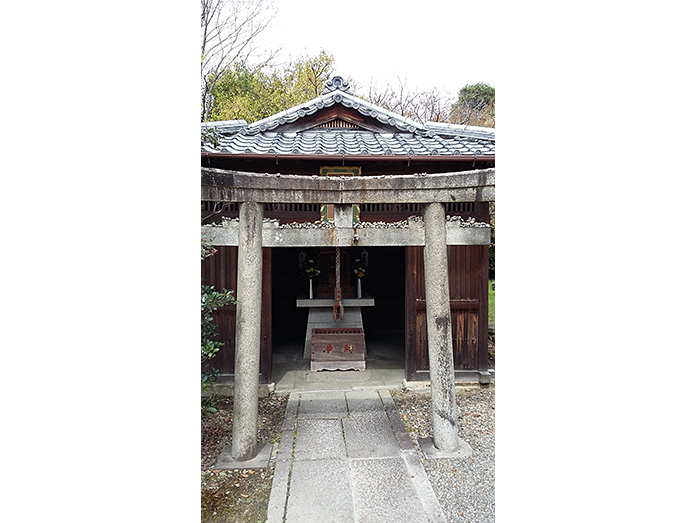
column 220, row 271
column 266, row 356
column 224, row 320
column 468, row 308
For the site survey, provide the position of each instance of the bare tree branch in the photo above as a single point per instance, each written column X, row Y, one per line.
column 423, row 106
column 228, row 29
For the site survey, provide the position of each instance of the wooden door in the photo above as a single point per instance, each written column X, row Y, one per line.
column 468, row 277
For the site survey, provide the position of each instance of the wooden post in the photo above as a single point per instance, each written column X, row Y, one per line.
column 440, row 342
column 483, row 326
column 248, row 333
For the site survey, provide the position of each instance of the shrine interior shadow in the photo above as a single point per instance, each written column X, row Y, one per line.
column 384, row 323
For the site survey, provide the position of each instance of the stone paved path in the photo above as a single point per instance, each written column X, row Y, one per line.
column 345, row 456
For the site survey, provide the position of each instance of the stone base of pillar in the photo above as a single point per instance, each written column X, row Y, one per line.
column 484, row 377
column 260, row 461
column 431, row 452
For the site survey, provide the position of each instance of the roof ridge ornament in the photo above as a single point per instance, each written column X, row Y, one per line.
column 337, row 83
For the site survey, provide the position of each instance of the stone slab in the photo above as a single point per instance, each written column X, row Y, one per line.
column 429, row 501
column 320, row 366
column 320, row 492
column 383, row 491
column 291, row 412
column 325, row 405
column 485, row 377
column 319, row 439
column 400, row 431
column 360, row 401
column 366, row 301
column 326, row 315
column 346, row 376
column 431, row 452
column 279, row 491
column 363, row 475
column 261, row 461
column 369, row 435
column 285, row 447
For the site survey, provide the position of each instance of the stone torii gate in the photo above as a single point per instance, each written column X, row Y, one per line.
column 252, row 190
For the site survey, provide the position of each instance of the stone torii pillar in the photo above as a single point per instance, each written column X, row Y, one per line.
column 440, row 342
column 247, row 332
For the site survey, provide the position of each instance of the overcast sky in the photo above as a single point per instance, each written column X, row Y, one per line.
column 445, row 45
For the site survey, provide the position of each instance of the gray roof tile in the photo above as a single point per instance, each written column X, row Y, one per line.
column 410, row 138
column 350, row 143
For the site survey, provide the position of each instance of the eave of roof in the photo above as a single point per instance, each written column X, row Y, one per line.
column 351, row 143
column 352, row 158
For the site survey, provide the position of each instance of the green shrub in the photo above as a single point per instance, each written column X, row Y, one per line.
column 210, row 301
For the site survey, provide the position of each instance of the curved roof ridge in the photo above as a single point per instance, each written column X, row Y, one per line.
column 405, row 121
column 327, row 100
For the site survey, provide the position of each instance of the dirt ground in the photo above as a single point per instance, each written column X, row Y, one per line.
column 236, row 496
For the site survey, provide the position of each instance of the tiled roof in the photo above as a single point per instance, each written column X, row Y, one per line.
column 351, row 143
column 408, row 137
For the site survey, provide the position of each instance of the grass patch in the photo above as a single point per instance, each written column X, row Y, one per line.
column 492, row 307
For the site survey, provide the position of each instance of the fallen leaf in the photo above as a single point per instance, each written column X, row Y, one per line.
column 244, row 495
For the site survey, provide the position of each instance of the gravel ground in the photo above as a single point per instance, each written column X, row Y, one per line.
column 464, row 487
